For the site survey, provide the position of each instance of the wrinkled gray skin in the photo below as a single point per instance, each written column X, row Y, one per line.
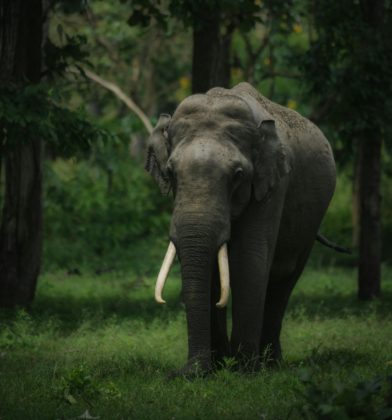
column 258, row 176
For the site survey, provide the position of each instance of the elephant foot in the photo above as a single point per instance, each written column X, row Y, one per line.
column 247, row 364
column 220, row 358
column 192, row 370
column 271, row 354
column 247, row 358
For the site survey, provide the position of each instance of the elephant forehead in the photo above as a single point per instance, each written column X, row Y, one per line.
column 216, row 117
column 202, row 107
column 205, row 152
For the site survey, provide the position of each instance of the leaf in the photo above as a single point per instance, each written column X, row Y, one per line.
column 385, row 414
column 69, row 398
column 60, row 31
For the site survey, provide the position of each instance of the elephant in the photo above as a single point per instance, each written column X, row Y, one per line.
column 251, row 182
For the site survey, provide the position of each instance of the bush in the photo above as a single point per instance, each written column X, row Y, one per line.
column 332, row 399
column 96, row 210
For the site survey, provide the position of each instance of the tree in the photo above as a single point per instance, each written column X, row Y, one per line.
column 212, row 29
column 213, row 24
column 21, row 35
column 29, row 115
column 349, row 68
column 211, row 37
column 211, row 53
column 371, row 137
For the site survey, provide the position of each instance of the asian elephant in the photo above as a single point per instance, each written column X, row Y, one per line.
column 251, row 182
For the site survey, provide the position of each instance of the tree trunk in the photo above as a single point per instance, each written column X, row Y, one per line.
column 211, row 55
column 369, row 274
column 356, row 205
column 21, row 224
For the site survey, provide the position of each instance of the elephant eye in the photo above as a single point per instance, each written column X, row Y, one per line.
column 170, row 172
column 166, row 136
column 171, row 178
column 238, row 174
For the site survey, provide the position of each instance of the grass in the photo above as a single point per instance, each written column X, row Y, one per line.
column 101, row 344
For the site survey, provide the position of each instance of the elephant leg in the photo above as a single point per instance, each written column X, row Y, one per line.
column 251, row 249
column 248, row 296
column 219, row 339
column 279, row 289
column 294, row 244
column 270, row 348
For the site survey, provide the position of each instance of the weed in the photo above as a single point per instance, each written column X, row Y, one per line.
column 80, row 383
column 333, row 399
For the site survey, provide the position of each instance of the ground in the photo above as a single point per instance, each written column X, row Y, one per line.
column 101, row 344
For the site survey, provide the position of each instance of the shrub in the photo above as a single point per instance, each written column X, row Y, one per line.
column 332, row 399
column 96, row 210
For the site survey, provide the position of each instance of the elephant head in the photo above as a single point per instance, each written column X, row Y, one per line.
column 218, row 152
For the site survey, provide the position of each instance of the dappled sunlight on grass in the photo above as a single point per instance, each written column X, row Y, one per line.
column 75, row 300
column 101, row 343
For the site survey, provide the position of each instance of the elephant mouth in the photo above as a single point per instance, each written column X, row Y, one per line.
column 224, row 274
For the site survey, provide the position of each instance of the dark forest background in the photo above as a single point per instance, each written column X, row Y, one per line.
column 82, row 83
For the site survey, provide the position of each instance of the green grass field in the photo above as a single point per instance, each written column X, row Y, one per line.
column 100, row 343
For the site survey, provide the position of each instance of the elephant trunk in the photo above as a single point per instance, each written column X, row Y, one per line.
column 197, row 247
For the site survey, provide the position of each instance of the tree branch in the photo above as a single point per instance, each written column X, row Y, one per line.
column 120, row 95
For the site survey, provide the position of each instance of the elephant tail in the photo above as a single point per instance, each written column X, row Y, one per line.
column 323, row 240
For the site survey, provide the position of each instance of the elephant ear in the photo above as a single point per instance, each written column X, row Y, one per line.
column 271, row 161
column 158, row 148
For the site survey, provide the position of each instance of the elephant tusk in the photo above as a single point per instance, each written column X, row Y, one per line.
column 164, row 271
column 223, row 263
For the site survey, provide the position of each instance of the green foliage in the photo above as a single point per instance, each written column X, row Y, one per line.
column 147, row 63
column 96, row 210
column 31, row 111
column 244, row 14
column 17, row 333
column 143, row 11
column 386, row 203
column 337, row 223
column 370, row 399
column 70, row 6
column 79, row 383
column 348, row 67
column 59, row 58
column 40, row 111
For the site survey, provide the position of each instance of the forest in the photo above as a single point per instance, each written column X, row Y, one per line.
column 84, row 228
